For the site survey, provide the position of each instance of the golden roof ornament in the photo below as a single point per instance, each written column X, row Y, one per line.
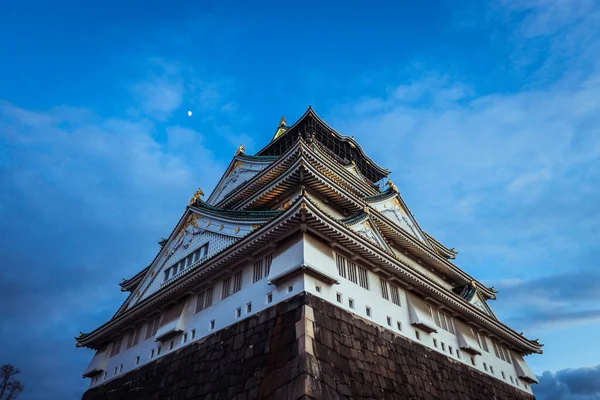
column 240, row 150
column 282, row 121
column 391, row 185
column 197, row 196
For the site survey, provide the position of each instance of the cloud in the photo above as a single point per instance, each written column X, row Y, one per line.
column 569, row 384
column 78, row 189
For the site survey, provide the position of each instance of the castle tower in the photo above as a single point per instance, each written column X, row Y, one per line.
column 301, row 276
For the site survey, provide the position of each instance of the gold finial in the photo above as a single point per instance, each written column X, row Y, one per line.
column 237, row 229
column 366, row 209
column 282, row 121
column 198, row 195
column 391, row 185
column 240, row 150
column 473, row 283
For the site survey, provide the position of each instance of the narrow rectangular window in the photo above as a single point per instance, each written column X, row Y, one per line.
column 503, row 375
column 237, row 282
column 491, row 369
column 204, row 299
column 290, row 288
column 351, row 303
column 137, row 360
column 472, row 360
column 158, row 350
column 389, row 321
column 368, row 309
column 363, row 277
column 399, row 324
column 511, row 379
column 417, row 335
column 212, row 324
column 485, row 366
column 458, row 353
column 443, row 346
column 257, row 274
column 184, row 337
column 395, row 295
column 269, row 298
column 338, row 297
column 384, row 289
column 352, row 275
column 341, row 265
column 226, row 290
column 435, row 343
column 116, row 347
column 166, row 275
column 496, row 348
column 318, row 288
column 450, row 350
column 171, row 345
column 115, row 371
column 238, row 312
column 268, row 262
column 152, row 353
column 193, row 334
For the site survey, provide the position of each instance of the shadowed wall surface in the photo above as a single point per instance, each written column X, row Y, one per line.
column 301, row 349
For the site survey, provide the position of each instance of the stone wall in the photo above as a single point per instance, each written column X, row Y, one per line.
column 304, row 348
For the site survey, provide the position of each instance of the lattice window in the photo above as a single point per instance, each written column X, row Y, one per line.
column 268, row 262
column 384, row 289
column 363, row 277
column 116, row 347
column 226, row 290
column 257, row 274
column 395, row 295
column 134, row 336
column 237, row 282
column 442, row 320
column 204, row 299
column 341, row 265
column 352, row 275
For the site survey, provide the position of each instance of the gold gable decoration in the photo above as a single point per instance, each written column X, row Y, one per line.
column 198, row 195
column 281, row 128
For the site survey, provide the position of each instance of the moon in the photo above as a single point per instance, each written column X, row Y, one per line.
column 189, row 113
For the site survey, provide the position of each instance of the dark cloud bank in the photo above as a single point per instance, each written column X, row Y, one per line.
column 569, row 384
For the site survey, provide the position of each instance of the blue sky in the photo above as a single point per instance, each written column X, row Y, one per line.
column 487, row 114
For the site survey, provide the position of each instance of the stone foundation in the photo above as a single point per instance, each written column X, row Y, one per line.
column 305, row 348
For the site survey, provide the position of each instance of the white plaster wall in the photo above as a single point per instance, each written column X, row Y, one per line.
column 381, row 309
column 222, row 311
column 294, row 253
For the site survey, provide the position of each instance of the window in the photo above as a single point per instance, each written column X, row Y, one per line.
column 395, row 295
column 268, row 262
column 473, row 360
column 318, row 288
column 269, row 298
column 417, row 335
column 352, row 274
column 368, row 309
column 115, row 371
column 443, row 346
column 450, row 350
column 363, row 277
column 435, row 342
column 338, row 297
column 341, row 265
column 134, row 336
column 116, row 347
column 237, row 282
column 517, row 381
column 503, row 375
column 384, row 289
column 171, row 345
column 105, row 374
column 389, row 321
column 158, row 350
column 152, row 326
column 399, row 324
column 152, row 353
column 238, row 312
column 204, row 299
column 442, row 320
column 458, row 353
column 193, row 334
column 511, row 379
column 212, row 324
column 485, row 366
column 184, row 338
column 248, row 308
column 121, row 368
column 257, row 275
column 137, row 360
column 231, row 284
column 481, row 341
column 351, row 303
column 491, row 369
column 290, row 288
